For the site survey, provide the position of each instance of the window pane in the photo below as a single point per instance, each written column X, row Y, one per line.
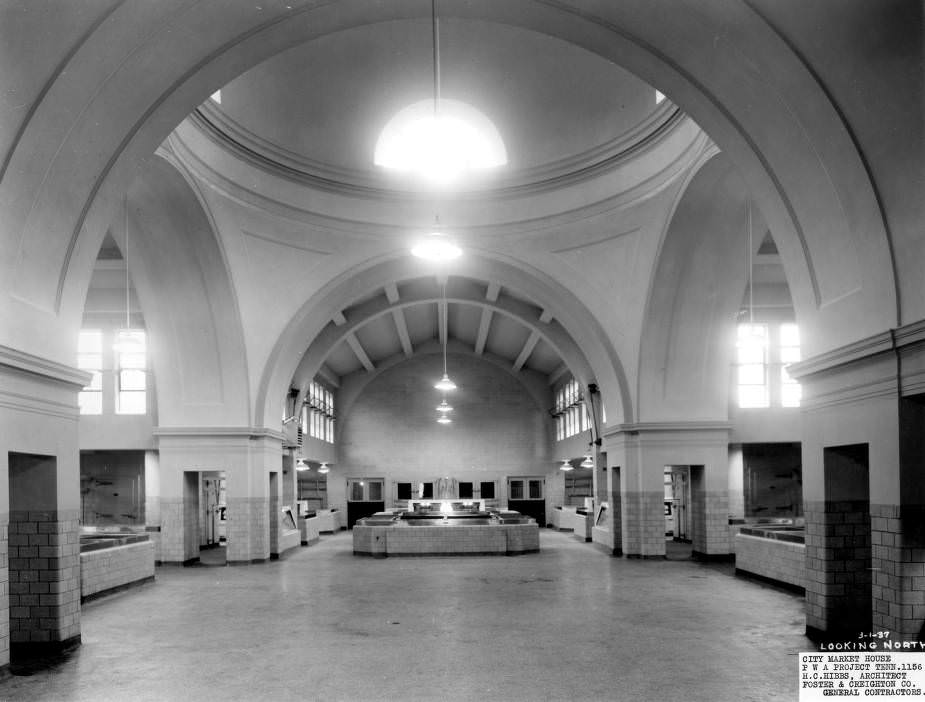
column 753, row 396
column 356, row 492
column 96, row 381
column 132, row 403
column 131, row 360
column 517, row 489
column 132, row 380
column 789, row 335
column 536, row 489
column 487, row 490
column 89, row 361
column 465, row 491
column 750, row 354
column 752, row 374
column 789, row 354
column 791, row 394
column 90, row 402
column 375, row 491
column 428, row 492
column 404, row 491
column 90, row 341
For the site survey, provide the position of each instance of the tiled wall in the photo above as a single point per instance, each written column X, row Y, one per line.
column 109, row 568
column 643, row 524
column 770, row 558
column 171, row 546
column 898, row 565
column 248, row 529
column 44, row 576
column 838, row 561
column 709, row 520
column 4, row 589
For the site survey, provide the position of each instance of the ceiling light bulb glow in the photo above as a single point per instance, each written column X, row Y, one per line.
column 436, row 247
column 439, row 142
column 445, row 384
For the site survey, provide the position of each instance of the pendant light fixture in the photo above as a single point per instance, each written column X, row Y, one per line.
column 301, row 465
column 445, row 384
column 566, row 465
column 443, row 419
column 436, row 139
column 323, row 468
column 588, row 462
column 443, row 407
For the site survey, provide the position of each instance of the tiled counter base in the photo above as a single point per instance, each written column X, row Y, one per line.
column 441, row 540
column 107, row 570
column 289, row 539
column 330, row 521
column 570, row 520
column 774, row 559
column 308, row 526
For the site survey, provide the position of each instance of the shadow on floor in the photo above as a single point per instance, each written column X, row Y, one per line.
column 678, row 550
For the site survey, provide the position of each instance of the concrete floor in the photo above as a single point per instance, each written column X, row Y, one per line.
column 567, row 623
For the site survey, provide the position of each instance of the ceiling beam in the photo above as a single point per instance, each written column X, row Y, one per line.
column 560, row 370
column 399, row 317
column 546, row 316
column 339, row 319
column 360, row 352
column 484, row 326
column 527, row 350
column 491, row 294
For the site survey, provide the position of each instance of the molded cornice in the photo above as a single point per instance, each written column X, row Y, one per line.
column 47, row 370
column 250, row 433
column 271, row 158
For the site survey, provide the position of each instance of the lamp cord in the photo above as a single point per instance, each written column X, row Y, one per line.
column 445, row 332
column 128, row 313
column 751, row 282
column 436, row 49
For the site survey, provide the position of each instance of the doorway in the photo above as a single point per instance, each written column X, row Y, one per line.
column 212, row 509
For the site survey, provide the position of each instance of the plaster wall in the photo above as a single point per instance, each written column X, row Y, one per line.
column 391, row 430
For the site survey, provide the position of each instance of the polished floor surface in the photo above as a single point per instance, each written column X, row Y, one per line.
column 568, row 623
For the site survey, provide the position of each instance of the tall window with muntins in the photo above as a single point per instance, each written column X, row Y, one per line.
column 318, row 417
column 90, row 359
column 790, row 390
column 752, row 365
column 570, row 413
column 131, row 373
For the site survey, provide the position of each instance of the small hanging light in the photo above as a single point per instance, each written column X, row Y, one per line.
column 566, row 465
column 443, row 419
column 323, row 468
column 445, row 384
column 301, row 465
column 588, row 462
column 444, row 407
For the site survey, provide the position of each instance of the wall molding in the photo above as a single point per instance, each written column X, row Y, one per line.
column 43, row 368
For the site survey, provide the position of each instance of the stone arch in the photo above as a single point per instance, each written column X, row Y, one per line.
column 725, row 65
column 177, row 265
column 311, row 333
column 695, row 292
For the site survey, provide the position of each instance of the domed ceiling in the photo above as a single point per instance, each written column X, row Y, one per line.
column 319, row 107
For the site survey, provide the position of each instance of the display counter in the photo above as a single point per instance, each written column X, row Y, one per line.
column 774, row 552
column 113, row 558
column 470, row 532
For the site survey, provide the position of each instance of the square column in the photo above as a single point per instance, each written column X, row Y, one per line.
column 864, row 418
column 246, row 456
column 39, row 506
column 642, row 451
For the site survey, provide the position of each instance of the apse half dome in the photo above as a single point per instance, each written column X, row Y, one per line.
column 440, row 142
